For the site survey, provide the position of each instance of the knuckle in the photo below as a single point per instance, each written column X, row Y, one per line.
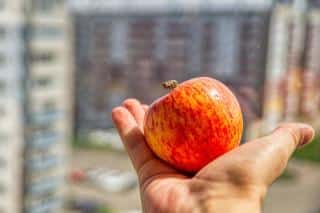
column 116, row 111
column 130, row 102
column 289, row 131
column 282, row 152
column 243, row 173
column 135, row 142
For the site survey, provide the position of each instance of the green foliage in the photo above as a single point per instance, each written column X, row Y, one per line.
column 287, row 175
column 104, row 209
column 84, row 142
column 310, row 152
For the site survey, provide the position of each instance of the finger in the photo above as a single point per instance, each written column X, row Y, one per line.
column 135, row 108
column 144, row 162
column 300, row 134
column 131, row 136
column 263, row 160
column 273, row 151
column 280, row 145
column 145, row 107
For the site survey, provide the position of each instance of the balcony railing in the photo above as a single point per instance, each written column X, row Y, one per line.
column 45, row 117
column 43, row 140
column 43, row 186
column 43, row 163
column 50, row 205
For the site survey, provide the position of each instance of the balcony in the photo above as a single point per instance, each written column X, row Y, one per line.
column 45, row 117
column 43, row 186
column 43, row 140
column 42, row 163
column 50, row 205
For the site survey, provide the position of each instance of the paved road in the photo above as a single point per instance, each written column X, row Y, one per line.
column 300, row 195
column 297, row 196
column 86, row 159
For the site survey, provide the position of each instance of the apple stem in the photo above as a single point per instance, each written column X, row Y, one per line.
column 171, row 84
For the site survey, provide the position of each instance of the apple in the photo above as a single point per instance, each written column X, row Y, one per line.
column 196, row 122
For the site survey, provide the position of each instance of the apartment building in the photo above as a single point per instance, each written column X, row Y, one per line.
column 310, row 96
column 11, row 105
column 278, row 50
column 49, row 103
column 291, row 89
column 126, row 49
column 36, row 102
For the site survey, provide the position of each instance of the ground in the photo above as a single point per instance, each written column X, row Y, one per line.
column 298, row 195
column 85, row 159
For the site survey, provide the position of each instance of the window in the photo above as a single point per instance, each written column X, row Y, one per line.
column 42, row 128
column 2, row 87
column 43, row 57
column 2, row 32
column 44, row 185
column 2, row 59
column 3, row 139
column 227, row 49
column 45, row 115
column 3, row 163
column 2, row 4
column 2, row 188
column 314, row 3
column 2, row 110
column 47, row 32
column 47, row 5
column 49, row 105
column 42, row 82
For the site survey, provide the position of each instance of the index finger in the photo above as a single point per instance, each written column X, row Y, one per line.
column 143, row 160
column 132, row 137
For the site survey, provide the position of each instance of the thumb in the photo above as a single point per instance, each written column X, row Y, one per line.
column 276, row 149
column 291, row 135
column 261, row 161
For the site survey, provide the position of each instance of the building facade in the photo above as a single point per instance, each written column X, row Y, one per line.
column 11, row 102
column 279, row 42
column 291, row 88
column 310, row 97
column 125, row 50
column 37, row 102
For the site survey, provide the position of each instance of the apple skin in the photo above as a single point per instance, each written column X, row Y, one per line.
column 193, row 124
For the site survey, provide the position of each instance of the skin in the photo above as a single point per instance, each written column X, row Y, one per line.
column 235, row 182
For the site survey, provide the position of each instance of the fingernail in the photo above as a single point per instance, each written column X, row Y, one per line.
column 308, row 134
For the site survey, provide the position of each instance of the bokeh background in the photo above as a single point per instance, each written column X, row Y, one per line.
column 64, row 64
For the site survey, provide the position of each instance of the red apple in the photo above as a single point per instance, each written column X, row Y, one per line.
column 196, row 122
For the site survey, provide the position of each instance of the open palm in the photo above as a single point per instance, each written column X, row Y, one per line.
column 236, row 181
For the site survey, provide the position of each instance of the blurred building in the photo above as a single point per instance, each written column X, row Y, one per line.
column 310, row 97
column 35, row 86
column 11, row 105
column 292, row 91
column 126, row 49
column 279, row 43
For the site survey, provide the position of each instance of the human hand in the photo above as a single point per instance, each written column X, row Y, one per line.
column 235, row 182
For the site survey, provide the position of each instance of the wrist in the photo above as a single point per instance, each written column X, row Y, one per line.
column 232, row 205
column 230, row 199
